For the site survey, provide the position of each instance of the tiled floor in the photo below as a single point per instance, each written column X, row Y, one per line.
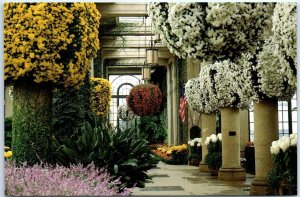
column 188, row 180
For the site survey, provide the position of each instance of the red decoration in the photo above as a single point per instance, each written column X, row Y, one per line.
column 182, row 108
column 145, row 100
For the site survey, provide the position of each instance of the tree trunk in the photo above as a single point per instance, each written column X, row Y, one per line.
column 31, row 138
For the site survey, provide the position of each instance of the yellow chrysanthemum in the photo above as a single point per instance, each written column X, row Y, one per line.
column 42, row 41
column 8, row 154
column 100, row 96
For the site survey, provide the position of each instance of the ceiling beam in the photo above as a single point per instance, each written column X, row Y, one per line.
column 122, row 9
column 132, row 53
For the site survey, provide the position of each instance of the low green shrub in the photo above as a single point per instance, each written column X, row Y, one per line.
column 123, row 153
column 8, row 131
column 153, row 127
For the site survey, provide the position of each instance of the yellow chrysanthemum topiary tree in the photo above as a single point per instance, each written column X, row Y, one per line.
column 101, row 93
column 45, row 45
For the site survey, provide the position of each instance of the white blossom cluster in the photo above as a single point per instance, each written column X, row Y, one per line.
column 226, row 85
column 275, row 75
column 158, row 13
column 213, row 138
column 284, row 28
column 194, row 92
column 187, row 21
column 124, row 113
column 211, row 30
column 283, row 143
column 271, row 75
column 195, row 141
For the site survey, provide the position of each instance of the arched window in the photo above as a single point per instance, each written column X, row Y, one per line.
column 121, row 86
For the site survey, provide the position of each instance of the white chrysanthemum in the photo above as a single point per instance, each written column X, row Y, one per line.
column 274, row 150
column 210, row 30
column 199, row 144
column 293, row 136
column 192, row 143
column 207, row 140
column 124, row 113
column 199, row 140
column 284, row 143
column 219, row 136
column 284, row 28
column 214, row 138
column 158, row 13
column 187, row 21
column 236, row 27
column 275, row 76
column 225, row 85
column 189, row 142
column 294, row 142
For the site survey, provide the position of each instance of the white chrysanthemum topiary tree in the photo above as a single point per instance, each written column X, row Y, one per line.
column 273, row 75
column 211, row 31
column 229, row 87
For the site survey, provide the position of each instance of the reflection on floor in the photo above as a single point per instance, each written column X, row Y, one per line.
column 188, row 180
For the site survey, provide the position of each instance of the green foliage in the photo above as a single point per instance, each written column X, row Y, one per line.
column 179, row 157
column 8, row 131
column 250, row 159
column 213, row 160
column 153, row 128
column 31, row 125
column 123, row 153
column 70, row 108
column 195, row 153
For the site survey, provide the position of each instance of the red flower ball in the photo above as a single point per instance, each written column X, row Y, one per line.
column 145, row 100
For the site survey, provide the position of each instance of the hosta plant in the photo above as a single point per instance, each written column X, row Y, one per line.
column 123, row 153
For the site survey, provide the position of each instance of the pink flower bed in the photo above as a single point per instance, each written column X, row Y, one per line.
column 73, row 181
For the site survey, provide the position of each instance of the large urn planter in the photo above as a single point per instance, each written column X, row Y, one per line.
column 265, row 132
column 231, row 169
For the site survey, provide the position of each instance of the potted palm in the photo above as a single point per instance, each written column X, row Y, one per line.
column 213, row 158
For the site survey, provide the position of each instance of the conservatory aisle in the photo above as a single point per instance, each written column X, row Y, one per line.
column 187, row 180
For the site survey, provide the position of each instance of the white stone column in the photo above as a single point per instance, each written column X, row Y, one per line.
column 244, row 128
column 193, row 70
column 8, row 103
column 175, row 104
column 231, row 169
column 265, row 132
column 169, row 105
column 208, row 128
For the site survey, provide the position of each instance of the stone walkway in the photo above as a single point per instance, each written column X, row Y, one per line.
column 188, row 180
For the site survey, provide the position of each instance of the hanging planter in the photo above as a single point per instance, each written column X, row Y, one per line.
column 101, row 93
column 145, row 100
column 124, row 113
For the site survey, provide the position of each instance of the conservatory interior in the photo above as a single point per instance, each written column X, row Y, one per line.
column 150, row 99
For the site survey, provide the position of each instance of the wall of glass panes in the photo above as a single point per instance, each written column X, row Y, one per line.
column 121, row 86
column 287, row 118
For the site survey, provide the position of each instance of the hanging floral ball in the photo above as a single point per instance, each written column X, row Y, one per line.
column 145, row 100
column 101, row 93
column 124, row 113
